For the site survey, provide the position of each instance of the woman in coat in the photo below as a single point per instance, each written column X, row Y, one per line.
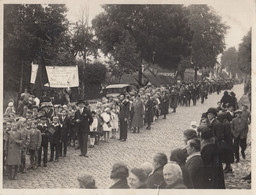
column 213, row 172
column 164, row 104
column 226, row 144
column 13, row 159
column 119, row 174
column 137, row 121
column 137, row 179
column 149, row 112
column 174, row 99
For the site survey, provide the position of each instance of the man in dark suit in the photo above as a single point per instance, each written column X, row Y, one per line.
column 156, row 179
column 123, row 117
column 195, row 163
column 65, row 131
column 84, row 119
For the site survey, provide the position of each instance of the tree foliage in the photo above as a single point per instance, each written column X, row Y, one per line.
column 95, row 73
column 244, row 54
column 154, row 33
column 34, row 33
column 229, row 60
column 208, row 38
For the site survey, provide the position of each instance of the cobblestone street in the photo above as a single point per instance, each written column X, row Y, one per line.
column 164, row 136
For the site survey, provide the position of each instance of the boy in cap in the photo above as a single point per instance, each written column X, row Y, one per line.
column 65, row 124
column 26, row 140
column 239, row 129
column 55, row 130
column 35, row 142
column 43, row 127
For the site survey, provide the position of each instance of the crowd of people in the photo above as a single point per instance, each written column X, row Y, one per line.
column 45, row 124
column 199, row 164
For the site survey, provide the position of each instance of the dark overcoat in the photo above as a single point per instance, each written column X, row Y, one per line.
column 121, row 184
column 85, row 121
column 174, row 96
column 164, row 104
column 213, row 171
column 156, row 179
column 196, row 170
column 65, row 127
column 149, row 112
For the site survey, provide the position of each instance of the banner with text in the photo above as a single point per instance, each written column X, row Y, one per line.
column 34, row 69
column 62, row 76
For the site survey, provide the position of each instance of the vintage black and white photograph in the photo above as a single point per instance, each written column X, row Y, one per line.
column 99, row 95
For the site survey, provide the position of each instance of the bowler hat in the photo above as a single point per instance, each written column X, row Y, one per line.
column 212, row 110
column 119, row 171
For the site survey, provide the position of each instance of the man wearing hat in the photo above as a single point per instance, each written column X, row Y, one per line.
column 246, row 114
column 83, row 119
column 214, row 124
column 239, row 129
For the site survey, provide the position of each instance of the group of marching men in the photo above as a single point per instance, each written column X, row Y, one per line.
column 38, row 125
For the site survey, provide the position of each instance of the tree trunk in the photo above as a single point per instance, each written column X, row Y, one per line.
column 83, row 70
column 21, row 76
column 195, row 77
column 140, row 75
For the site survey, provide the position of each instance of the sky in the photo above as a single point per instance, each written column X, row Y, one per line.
column 238, row 14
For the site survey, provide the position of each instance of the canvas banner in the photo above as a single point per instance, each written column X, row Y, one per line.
column 62, row 76
column 34, row 69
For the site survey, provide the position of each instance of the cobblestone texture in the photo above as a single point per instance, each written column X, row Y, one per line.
column 164, row 136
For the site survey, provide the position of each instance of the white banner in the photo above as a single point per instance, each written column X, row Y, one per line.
column 62, row 76
column 34, row 69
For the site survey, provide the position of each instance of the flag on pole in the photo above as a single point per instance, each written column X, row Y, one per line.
column 34, row 69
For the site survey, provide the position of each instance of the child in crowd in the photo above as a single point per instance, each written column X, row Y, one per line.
column 13, row 145
column 93, row 129
column 26, row 139
column 100, row 126
column 114, row 121
column 55, row 130
column 106, row 125
column 34, row 142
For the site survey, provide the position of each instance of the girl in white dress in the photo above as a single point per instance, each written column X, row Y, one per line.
column 114, row 121
column 107, row 123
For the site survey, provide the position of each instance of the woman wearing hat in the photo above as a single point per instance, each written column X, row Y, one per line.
column 137, row 179
column 119, row 174
column 86, row 181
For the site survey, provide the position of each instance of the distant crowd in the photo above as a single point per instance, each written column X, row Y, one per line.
column 43, row 125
